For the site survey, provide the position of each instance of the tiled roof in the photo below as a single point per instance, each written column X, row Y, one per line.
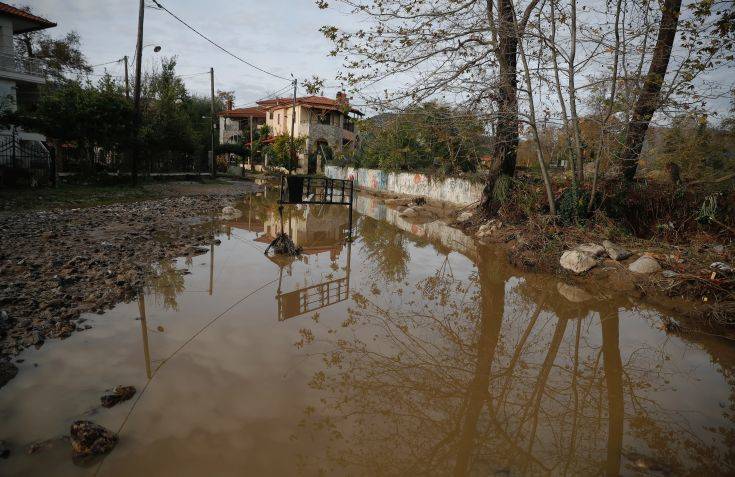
column 40, row 23
column 256, row 112
column 316, row 101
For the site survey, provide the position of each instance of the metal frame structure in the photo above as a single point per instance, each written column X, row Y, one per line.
column 314, row 297
column 304, row 189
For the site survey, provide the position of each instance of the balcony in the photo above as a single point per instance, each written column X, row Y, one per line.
column 15, row 67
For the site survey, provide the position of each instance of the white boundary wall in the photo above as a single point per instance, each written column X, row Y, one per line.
column 456, row 191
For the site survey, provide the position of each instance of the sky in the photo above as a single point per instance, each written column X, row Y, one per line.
column 281, row 36
column 277, row 35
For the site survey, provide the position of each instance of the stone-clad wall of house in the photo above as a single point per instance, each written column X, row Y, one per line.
column 456, row 191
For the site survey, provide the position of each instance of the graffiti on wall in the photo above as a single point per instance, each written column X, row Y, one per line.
column 453, row 190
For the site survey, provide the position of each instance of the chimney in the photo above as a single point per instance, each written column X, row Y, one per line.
column 229, row 104
column 341, row 97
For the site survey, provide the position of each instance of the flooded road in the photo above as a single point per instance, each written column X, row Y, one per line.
column 406, row 352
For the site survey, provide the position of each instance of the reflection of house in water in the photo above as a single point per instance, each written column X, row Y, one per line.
column 316, row 229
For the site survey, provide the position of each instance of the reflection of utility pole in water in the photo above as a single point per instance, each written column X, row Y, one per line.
column 211, row 258
column 144, row 331
column 492, row 290
column 613, row 365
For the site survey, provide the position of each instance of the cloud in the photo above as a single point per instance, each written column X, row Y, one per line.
column 280, row 36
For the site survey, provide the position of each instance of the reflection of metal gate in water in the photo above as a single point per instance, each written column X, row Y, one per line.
column 313, row 297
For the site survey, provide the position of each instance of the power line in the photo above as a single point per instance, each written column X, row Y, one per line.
column 194, row 74
column 158, row 4
column 108, row 63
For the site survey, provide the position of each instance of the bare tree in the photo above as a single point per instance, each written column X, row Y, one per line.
column 648, row 100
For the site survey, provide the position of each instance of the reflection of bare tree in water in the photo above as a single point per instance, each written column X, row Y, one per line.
column 524, row 383
column 385, row 246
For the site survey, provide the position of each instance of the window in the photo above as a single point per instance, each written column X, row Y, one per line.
column 271, row 115
column 349, row 125
column 325, row 118
column 279, row 118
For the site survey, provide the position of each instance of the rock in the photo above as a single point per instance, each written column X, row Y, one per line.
column 464, row 216
column 89, row 439
column 120, row 394
column 572, row 293
column 670, row 274
column 717, row 248
column 4, row 450
column 577, row 261
column 645, row 265
column 230, row 212
column 7, row 372
column 593, row 249
column 418, row 212
column 409, row 212
column 488, row 228
column 722, row 267
column 615, row 251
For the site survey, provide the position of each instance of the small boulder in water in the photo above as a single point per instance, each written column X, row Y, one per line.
column 283, row 245
column 89, row 439
column 120, row 394
column 7, row 372
column 4, row 450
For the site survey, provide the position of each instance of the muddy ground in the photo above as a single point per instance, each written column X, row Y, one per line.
column 57, row 264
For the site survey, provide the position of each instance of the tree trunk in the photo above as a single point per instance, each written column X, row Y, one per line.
column 505, row 143
column 648, row 99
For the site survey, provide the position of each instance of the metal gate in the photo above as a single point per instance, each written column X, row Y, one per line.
column 22, row 154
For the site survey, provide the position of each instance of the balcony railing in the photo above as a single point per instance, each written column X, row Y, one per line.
column 17, row 64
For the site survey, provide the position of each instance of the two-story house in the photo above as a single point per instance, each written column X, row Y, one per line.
column 328, row 125
column 20, row 79
column 236, row 124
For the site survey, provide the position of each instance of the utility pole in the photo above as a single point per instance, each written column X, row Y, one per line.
column 211, row 84
column 136, row 93
column 293, row 124
column 252, row 164
column 127, row 83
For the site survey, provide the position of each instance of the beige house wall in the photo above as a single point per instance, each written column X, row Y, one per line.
column 307, row 125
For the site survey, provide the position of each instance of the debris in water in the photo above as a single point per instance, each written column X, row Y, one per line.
column 89, row 439
column 7, row 372
column 120, row 394
column 283, row 245
column 4, row 450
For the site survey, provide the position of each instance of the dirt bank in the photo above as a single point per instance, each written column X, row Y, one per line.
column 686, row 284
column 57, row 264
column 685, row 278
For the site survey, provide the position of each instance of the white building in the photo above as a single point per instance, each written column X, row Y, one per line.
column 20, row 79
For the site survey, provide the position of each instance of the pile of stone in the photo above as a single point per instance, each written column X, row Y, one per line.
column 587, row 256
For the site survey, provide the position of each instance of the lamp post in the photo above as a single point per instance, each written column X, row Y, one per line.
column 136, row 95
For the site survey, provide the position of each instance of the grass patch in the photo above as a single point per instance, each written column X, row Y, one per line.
column 72, row 196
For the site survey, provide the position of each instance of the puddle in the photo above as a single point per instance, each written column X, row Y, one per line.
column 406, row 352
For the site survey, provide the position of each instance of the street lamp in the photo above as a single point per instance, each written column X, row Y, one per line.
column 156, row 49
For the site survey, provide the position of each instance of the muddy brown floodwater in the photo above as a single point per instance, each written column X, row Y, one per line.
column 406, row 352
